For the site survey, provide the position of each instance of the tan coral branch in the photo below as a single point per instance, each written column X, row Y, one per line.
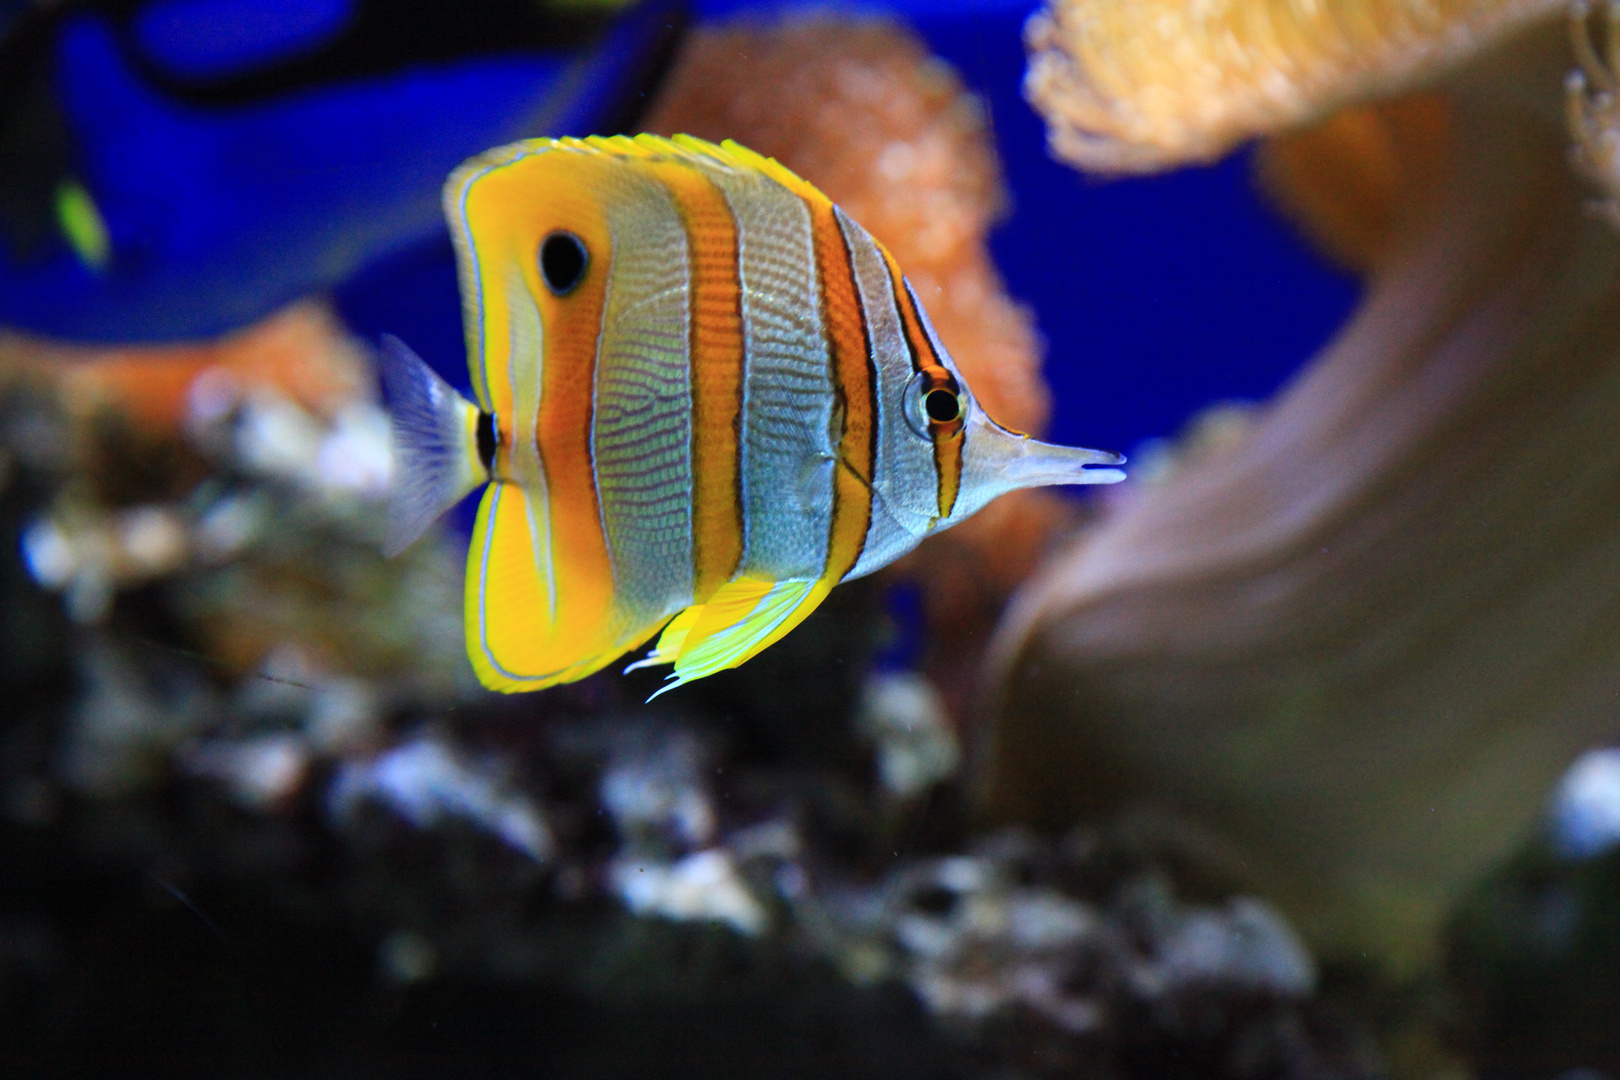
column 1139, row 85
column 1592, row 111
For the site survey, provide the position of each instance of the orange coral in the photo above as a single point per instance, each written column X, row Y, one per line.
column 1354, row 181
column 302, row 351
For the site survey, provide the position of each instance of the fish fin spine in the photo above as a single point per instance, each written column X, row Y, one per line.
column 671, row 640
column 728, row 154
column 774, row 169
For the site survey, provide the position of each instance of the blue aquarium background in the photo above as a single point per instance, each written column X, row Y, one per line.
column 1157, row 296
column 226, row 193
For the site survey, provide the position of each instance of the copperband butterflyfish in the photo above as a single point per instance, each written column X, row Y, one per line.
column 705, row 396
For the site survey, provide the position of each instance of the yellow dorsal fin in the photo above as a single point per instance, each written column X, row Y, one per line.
column 741, row 619
column 682, row 147
column 728, row 155
column 769, row 166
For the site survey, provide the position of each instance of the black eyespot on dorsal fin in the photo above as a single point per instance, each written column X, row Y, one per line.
column 563, row 262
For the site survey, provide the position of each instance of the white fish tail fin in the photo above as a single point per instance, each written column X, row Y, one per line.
column 436, row 461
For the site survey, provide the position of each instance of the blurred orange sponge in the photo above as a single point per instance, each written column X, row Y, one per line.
column 302, row 351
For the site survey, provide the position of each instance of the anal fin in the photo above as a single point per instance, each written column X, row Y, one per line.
column 743, row 618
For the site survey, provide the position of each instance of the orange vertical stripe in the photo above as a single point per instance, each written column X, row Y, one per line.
column 573, row 328
column 716, row 347
column 947, row 440
column 511, row 210
column 845, row 325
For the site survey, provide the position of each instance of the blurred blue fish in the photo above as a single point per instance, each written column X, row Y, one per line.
column 174, row 169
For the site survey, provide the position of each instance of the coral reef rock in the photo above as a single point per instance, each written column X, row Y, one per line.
column 255, row 815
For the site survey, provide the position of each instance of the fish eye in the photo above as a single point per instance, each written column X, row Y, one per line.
column 932, row 404
column 942, row 406
column 563, row 260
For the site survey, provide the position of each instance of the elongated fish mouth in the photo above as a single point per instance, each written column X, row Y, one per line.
column 1038, row 464
column 1010, row 460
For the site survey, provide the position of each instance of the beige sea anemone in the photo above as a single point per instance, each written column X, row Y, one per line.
column 1133, row 85
column 1356, row 644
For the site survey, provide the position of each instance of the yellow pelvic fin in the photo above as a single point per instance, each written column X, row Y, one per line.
column 743, row 618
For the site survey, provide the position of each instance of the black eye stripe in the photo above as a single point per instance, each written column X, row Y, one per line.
column 563, row 262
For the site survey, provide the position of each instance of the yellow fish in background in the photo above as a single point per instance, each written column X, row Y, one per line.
column 705, row 397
